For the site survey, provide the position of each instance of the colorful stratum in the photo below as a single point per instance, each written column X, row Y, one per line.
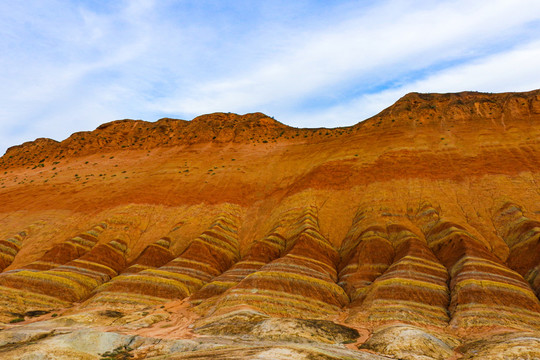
column 207, row 256
column 302, row 283
column 9, row 249
column 68, row 250
column 484, row 292
column 522, row 234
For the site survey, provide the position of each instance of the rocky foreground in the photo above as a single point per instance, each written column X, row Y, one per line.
column 412, row 235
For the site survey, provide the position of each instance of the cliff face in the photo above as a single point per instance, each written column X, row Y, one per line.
column 419, row 224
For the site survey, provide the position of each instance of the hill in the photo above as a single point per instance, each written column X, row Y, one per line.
column 414, row 234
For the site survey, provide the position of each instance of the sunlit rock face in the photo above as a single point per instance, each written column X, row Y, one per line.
column 153, row 256
column 522, row 234
column 412, row 290
column 206, row 257
column 9, row 249
column 301, row 283
column 414, row 235
column 67, row 283
column 68, row 250
column 484, row 291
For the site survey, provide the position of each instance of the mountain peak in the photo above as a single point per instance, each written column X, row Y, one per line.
column 444, row 109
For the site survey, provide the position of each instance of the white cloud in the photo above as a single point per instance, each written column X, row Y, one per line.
column 368, row 49
column 516, row 70
column 71, row 67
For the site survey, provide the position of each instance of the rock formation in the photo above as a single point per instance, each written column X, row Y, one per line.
column 64, row 284
column 414, row 234
column 302, row 283
column 68, row 250
column 522, row 235
column 207, row 256
column 9, row 248
column 153, row 256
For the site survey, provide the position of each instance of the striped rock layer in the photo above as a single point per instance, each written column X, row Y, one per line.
column 207, row 256
column 153, row 256
column 9, row 248
column 68, row 250
column 260, row 253
column 67, row 283
column 522, row 235
column 413, row 290
column 484, row 292
column 300, row 284
column 365, row 253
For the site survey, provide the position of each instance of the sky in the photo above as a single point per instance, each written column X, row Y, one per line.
column 71, row 65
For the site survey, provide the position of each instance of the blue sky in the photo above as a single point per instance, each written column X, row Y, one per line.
column 69, row 66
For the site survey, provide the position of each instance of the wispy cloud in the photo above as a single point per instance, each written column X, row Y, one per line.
column 72, row 65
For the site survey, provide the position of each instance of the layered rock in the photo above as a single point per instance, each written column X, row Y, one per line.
column 300, row 284
column 414, row 282
column 413, row 290
column 68, row 250
column 260, row 253
column 67, row 283
column 512, row 345
column 153, row 256
column 9, row 249
column 411, row 343
column 207, row 256
column 366, row 254
column 484, row 292
column 522, row 235
column 138, row 134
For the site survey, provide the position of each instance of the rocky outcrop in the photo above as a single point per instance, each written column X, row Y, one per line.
column 137, row 134
column 9, row 249
column 209, row 255
column 411, row 343
column 153, row 256
column 68, row 250
column 366, row 254
column 253, row 324
column 235, row 236
column 65, row 284
column 482, row 109
column 300, row 284
column 515, row 345
column 413, row 290
column 522, row 235
column 484, row 292
column 260, row 253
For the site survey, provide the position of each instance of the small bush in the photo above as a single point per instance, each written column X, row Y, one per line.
column 16, row 320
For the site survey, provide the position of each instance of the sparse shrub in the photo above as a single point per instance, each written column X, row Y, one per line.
column 16, row 320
